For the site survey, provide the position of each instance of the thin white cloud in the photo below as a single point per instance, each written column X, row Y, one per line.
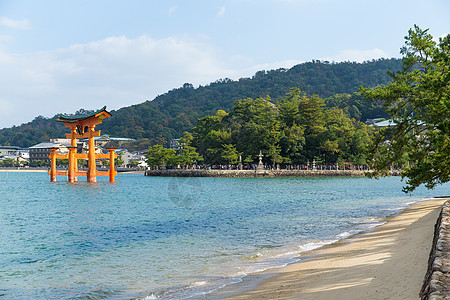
column 357, row 55
column 116, row 72
column 15, row 24
column 221, row 12
column 119, row 71
column 5, row 39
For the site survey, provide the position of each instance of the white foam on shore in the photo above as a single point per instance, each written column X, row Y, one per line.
column 262, row 262
column 258, row 263
column 314, row 245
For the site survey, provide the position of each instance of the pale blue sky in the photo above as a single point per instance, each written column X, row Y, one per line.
column 59, row 56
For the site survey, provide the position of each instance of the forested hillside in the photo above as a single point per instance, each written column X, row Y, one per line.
column 176, row 111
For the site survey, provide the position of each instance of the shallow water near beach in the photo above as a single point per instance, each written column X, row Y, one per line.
column 173, row 238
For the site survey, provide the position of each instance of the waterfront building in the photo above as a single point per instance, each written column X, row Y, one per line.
column 9, row 150
column 175, row 144
column 24, row 154
column 126, row 157
column 42, row 151
column 105, row 140
column 140, row 158
column 16, row 158
column 384, row 123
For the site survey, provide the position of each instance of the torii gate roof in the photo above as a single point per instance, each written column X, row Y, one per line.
column 77, row 118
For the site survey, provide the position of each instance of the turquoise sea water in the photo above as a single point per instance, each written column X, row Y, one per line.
column 173, row 238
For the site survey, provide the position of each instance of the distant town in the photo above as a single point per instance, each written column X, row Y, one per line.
column 38, row 155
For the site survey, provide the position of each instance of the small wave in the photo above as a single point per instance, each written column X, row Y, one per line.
column 260, row 262
column 253, row 264
column 367, row 224
column 266, row 260
column 254, row 256
column 314, row 245
column 344, row 235
column 198, row 283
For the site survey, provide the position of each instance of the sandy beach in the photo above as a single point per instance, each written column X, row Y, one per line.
column 389, row 262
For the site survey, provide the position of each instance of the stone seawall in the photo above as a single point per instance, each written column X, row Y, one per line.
column 437, row 280
column 253, row 173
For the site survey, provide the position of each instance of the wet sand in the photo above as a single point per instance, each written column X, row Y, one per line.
column 388, row 262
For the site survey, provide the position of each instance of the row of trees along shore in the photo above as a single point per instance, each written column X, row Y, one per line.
column 293, row 130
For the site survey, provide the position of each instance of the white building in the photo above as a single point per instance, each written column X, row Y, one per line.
column 9, row 150
column 41, row 151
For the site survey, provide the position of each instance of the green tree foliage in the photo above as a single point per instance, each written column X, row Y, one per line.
column 215, row 140
column 357, row 106
column 418, row 101
column 230, row 153
column 206, row 132
column 335, row 141
column 187, row 153
column 296, row 129
column 40, row 163
column 157, row 156
column 119, row 160
column 62, row 162
column 253, row 125
column 176, row 111
column 8, row 162
column 82, row 163
column 312, row 118
column 292, row 134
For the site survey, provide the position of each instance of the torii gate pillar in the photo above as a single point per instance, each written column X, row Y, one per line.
column 92, row 168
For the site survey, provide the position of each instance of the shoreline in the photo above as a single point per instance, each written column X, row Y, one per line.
column 388, row 262
column 259, row 173
column 38, row 170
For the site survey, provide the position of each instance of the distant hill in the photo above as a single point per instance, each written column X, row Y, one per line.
column 176, row 111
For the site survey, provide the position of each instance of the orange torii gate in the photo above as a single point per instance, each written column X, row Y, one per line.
column 83, row 126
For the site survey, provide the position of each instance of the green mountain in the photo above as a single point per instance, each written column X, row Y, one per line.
column 176, row 111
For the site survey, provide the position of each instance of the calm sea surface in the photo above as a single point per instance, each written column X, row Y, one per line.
column 174, row 238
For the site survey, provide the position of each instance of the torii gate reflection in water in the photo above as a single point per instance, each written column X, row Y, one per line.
column 83, row 126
